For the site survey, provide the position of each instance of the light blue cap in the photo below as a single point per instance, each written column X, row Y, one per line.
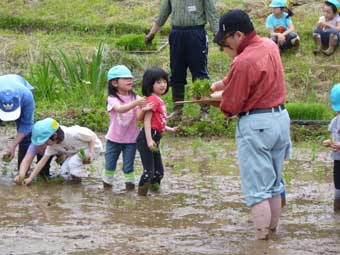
column 278, row 3
column 335, row 3
column 43, row 130
column 119, row 71
column 335, row 97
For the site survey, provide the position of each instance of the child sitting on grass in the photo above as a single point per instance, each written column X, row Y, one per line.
column 334, row 144
column 79, row 144
column 327, row 32
column 281, row 27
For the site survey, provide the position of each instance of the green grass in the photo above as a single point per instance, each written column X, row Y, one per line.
column 64, row 48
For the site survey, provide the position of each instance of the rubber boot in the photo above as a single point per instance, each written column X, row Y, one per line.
column 129, row 186
column 283, row 200
column 333, row 42
column 317, row 40
column 337, row 206
column 155, row 187
column 106, row 185
column 143, row 190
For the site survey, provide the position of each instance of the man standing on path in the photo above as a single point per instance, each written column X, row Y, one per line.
column 255, row 90
column 17, row 104
column 188, row 43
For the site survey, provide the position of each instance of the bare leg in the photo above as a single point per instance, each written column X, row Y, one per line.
column 261, row 213
column 275, row 208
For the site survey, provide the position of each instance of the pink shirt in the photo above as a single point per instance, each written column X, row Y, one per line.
column 255, row 79
column 123, row 126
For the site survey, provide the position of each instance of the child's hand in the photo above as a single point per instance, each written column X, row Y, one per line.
column 7, row 157
column 140, row 102
column 152, row 145
column 335, row 146
column 148, row 107
column 327, row 143
column 281, row 39
column 27, row 181
column 19, row 179
column 87, row 160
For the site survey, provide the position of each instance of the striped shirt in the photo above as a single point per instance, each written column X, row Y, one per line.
column 189, row 13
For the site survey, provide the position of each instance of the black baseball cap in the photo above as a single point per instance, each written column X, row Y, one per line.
column 232, row 21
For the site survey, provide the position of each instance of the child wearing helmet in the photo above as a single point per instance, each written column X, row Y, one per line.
column 327, row 32
column 123, row 106
column 281, row 27
column 334, row 143
column 80, row 145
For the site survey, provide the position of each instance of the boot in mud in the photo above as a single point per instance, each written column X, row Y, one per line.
column 143, row 190
column 74, row 180
column 155, row 187
column 283, row 200
column 333, row 43
column 337, row 206
column 106, row 185
column 129, row 186
column 317, row 40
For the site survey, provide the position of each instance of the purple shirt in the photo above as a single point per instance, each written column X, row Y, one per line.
column 34, row 150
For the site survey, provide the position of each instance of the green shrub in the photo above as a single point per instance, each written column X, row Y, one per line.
column 135, row 42
column 309, row 111
column 200, row 88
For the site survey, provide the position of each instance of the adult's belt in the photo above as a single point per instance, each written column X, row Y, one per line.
column 188, row 27
column 263, row 110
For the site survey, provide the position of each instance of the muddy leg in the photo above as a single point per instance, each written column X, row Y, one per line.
column 261, row 213
column 275, row 208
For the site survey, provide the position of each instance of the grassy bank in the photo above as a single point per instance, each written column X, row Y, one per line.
column 54, row 45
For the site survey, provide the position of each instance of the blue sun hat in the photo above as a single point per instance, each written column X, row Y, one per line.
column 119, row 71
column 9, row 105
column 43, row 130
column 277, row 3
column 335, row 3
column 335, row 97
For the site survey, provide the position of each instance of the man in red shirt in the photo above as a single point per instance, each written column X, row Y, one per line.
column 254, row 89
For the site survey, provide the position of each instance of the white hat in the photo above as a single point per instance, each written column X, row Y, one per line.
column 9, row 105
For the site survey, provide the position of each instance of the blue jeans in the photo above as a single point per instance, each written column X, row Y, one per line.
column 262, row 144
column 324, row 34
column 113, row 151
column 288, row 43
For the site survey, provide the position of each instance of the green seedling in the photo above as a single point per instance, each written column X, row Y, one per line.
column 6, row 158
column 200, row 89
column 133, row 42
column 85, row 159
column 154, row 149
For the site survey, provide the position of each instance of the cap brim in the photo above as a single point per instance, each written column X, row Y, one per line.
column 10, row 116
column 218, row 37
column 336, row 107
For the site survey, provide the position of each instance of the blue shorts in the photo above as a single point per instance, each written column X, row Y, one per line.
column 263, row 141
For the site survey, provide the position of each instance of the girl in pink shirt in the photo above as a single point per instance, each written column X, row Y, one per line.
column 154, row 85
column 122, row 104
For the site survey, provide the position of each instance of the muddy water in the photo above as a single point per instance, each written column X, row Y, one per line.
column 200, row 209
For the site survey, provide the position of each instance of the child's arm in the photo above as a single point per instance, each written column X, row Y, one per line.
column 127, row 107
column 92, row 143
column 325, row 24
column 171, row 129
column 24, row 166
column 147, row 129
column 141, row 111
column 37, row 169
column 289, row 30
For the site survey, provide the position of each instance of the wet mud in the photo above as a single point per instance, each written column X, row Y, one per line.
column 200, row 209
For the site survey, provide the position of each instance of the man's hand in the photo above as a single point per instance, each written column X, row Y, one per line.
column 148, row 39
